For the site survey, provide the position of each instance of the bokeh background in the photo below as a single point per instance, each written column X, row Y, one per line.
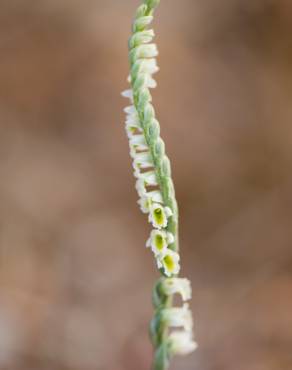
column 75, row 278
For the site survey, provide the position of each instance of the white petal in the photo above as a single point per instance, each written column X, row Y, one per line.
column 159, row 264
column 149, row 178
column 128, row 94
column 132, row 151
column 158, row 242
column 156, row 196
column 130, row 110
column 168, row 212
column 146, row 51
column 131, row 131
column 142, row 37
column 149, row 66
column 143, row 160
column 148, row 243
column 174, row 285
column 140, row 187
column 133, row 119
column 170, row 238
column 139, row 142
column 144, row 203
column 150, row 82
column 178, row 317
column 181, row 342
column 142, row 22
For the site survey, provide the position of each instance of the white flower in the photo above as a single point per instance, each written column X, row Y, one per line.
column 138, row 141
column 148, row 198
column 143, row 160
column 158, row 241
column 130, row 110
column 178, row 317
column 169, row 261
column 146, row 81
column 142, row 37
column 132, row 115
column 172, row 286
column 181, row 342
column 141, row 22
column 141, row 187
column 141, row 165
column 149, row 178
column 133, row 120
column 146, row 51
column 132, row 130
column 148, row 66
column 158, row 215
column 144, row 203
column 155, row 196
column 132, row 124
column 149, row 81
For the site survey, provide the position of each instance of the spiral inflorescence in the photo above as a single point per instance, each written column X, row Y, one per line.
column 156, row 193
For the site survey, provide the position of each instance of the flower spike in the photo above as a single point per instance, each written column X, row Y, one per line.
column 156, row 193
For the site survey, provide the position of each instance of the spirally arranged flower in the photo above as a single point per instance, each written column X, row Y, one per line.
column 152, row 170
column 146, row 147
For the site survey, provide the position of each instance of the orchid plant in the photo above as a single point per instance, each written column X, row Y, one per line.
column 171, row 328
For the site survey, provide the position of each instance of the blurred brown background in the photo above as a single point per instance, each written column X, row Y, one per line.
column 75, row 278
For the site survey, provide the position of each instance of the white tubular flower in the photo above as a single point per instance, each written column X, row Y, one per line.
column 146, row 81
column 142, row 37
column 143, row 160
column 158, row 241
column 133, row 120
column 181, row 342
column 169, row 261
column 149, row 178
column 178, row 317
column 138, row 141
column 133, row 126
column 148, row 66
column 131, row 115
column 146, row 51
column 148, row 198
column 142, row 22
column 144, row 203
column 158, row 215
column 181, row 286
column 155, row 196
column 132, row 130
